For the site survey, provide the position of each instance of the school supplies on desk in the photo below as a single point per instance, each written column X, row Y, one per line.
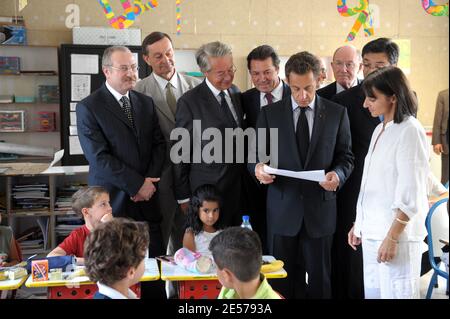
column 193, row 261
column 39, row 270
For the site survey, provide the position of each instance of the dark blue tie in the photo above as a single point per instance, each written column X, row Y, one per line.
column 225, row 108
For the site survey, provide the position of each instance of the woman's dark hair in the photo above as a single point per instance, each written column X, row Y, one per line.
column 208, row 193
column 391, row 81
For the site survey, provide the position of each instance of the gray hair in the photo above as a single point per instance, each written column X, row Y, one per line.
column 106, row 59
column 212, row 49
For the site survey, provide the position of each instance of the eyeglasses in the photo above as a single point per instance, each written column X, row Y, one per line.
column 348, row 65
column 374, row 66
column 125, row 68
column 222, row 74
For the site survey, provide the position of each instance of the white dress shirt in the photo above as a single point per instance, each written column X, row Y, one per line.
column 309, row 114
column 113, row 293
column 116, row 94
column 277, row 95
column 216, row 93
column 174, row 81
column 340, row 88
column 394, row 177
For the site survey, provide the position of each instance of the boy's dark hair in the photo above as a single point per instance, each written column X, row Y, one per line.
column 85, row 197
column 239, row 250
column 208, row 193
column 391, row 81
column 152, row 38
column 113, row 248
column 261, row 53
column 383, row 45
column 302, row 63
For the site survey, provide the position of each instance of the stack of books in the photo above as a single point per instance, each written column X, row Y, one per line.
column 31, row 197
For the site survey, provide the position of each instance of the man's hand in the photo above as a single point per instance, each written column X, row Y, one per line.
column 438, row 149
column 147, row 190
column 331, row 182
column 262, row 176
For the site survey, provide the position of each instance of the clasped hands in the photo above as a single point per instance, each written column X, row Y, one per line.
column 146, row 191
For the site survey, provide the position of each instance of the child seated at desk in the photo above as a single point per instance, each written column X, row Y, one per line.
column 202, row 219
column 114, row 257
column 93, row 204
column 237, row 253
column 9, row 256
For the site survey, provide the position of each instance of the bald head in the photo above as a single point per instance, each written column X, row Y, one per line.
column 346, row 64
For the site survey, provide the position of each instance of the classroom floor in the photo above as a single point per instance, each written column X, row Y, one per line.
column 438, row 293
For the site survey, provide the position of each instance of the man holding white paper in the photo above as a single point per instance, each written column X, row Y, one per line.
column 313, row 135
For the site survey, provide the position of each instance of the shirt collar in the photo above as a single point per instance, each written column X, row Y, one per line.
column 116, row 94
column 213, row 89
column 114, row 294
column 162, row 82
column 277, row 92
column 295, row 105
column 340, row 88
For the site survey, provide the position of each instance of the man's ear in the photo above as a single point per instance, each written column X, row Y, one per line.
column 146, row 58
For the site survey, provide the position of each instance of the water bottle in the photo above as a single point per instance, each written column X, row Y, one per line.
column 246, row 222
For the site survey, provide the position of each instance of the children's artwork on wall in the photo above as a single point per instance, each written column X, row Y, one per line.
column 132, row 10
column 178, row 13
column 364, row 17
column 436, row 10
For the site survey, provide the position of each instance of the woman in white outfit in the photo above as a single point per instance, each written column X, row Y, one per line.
column 392, row 203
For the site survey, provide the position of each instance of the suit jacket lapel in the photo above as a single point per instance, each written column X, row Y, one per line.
column 211, row 101
column 292, row 138
column 286, row 90
column 235, row 98
column 138, row 117
column 319, row 120
column 160, row 96
column 114, row 106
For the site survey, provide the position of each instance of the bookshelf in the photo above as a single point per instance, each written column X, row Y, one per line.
column 29, row 92
column 47, row 188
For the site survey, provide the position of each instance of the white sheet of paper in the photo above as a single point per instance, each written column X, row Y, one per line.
column 81, row 86
column 73, row 107
column 84, row 63
column 315, row 176
column 75, row 146
column 73, row 118
column 58, row 155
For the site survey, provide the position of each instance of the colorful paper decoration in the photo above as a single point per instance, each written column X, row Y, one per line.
column 178, row 12
column 364, row 17
column 131, row 12
column 22, row 4
column 435, row 10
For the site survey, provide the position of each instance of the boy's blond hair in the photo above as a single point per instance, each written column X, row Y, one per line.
column 85, row 197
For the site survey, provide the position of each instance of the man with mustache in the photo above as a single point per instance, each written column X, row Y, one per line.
column 122, row 141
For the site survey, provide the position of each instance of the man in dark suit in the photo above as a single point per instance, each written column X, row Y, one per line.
column 347, row 267
column 313, row 134
column 346, row 65
column 263, row 65
column 121, row 139
column 214, row 105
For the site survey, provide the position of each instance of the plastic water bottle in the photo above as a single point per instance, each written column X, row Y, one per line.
column 246, row 222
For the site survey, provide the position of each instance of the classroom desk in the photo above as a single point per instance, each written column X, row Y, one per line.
column 82, row 288
column 202, row 286
column 12, row 284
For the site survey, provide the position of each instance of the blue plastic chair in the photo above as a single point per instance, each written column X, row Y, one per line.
column 436, row 270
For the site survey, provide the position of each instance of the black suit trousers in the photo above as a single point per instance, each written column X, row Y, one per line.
column 302, row 254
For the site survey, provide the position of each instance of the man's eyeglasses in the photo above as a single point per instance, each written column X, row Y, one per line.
column 231, row 71
column 125, row 68
column 348, row 65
